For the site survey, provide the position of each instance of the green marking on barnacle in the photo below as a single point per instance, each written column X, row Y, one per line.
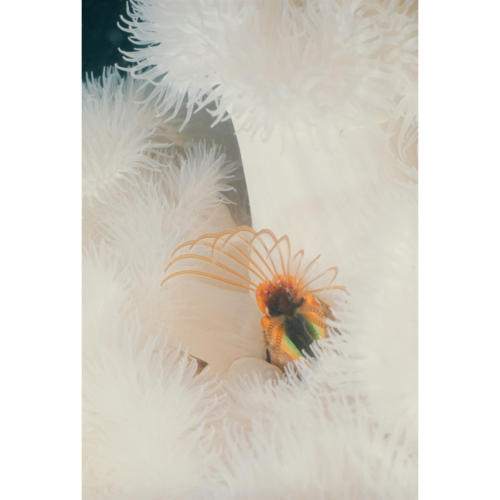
column 315, row 329
column 291, row 346
column 311, row 328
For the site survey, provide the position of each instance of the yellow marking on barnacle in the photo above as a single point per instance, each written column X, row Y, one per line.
column 210, row 261
column 311, row 300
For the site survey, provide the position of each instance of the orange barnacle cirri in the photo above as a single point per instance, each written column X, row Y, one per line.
column 286, row 293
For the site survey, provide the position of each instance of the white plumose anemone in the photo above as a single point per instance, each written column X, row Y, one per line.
column 322, row 95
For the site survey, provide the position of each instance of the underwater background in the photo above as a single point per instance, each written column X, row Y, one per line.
column 101, row 36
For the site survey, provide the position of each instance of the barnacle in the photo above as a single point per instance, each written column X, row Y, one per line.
column 287, row 291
